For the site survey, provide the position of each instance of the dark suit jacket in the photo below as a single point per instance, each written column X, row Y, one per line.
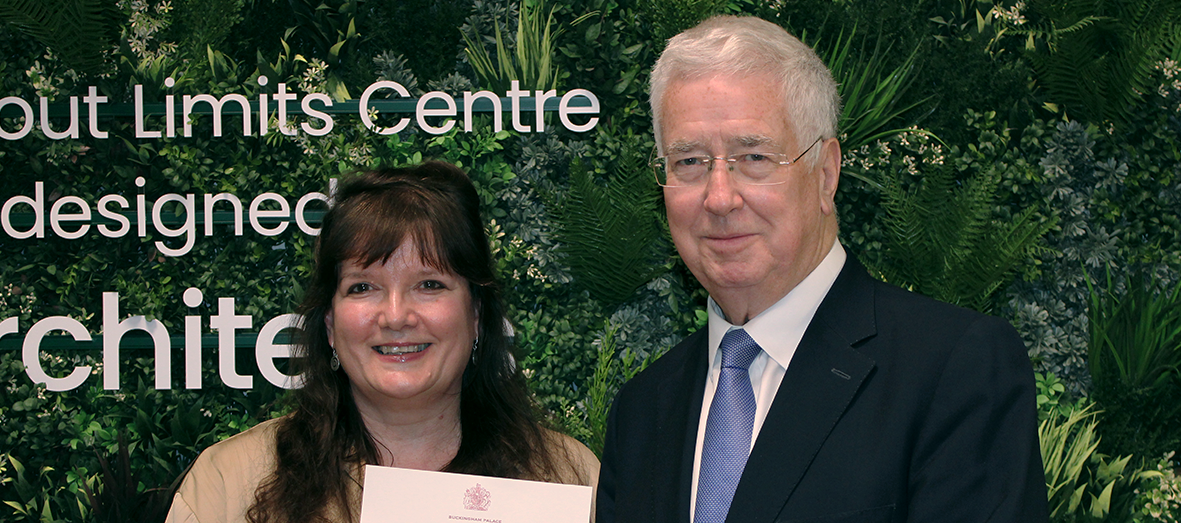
column 894, row 408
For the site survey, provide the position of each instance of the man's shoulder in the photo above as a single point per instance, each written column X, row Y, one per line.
column 899, row 305
column 912, row 331
column 888, row 323
column 857, row 292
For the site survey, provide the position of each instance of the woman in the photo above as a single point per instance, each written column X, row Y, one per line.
column 405, row 363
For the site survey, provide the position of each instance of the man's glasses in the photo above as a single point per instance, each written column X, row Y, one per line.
column 755, row 168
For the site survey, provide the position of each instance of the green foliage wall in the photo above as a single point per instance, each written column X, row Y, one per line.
column 1105, row 196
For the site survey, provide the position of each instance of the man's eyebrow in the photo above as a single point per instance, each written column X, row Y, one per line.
column 755, row 140
column 750, row 140
column 681, row 146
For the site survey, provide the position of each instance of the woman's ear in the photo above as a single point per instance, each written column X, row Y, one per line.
column 328, row 324
column 476, row 323
column 474, row 290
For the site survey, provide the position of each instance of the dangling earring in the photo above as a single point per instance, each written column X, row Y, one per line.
column 475, row 347
column 334, row 362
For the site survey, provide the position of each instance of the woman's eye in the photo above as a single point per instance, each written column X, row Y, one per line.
column 358, row 288
column 433, row 285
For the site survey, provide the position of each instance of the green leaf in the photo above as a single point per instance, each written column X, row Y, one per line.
column 593, row 31
column 610, row 233
column 17, row 506
column 335, row 49
column 77, row 31
column 1101, row 505
column 871, row 93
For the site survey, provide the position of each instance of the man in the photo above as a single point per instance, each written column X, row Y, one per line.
column 816, row 393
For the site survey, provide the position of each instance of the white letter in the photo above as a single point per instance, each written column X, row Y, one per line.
column 515, row 93
column 92, row 100
column 140, row 203
column 124, row 223
column 190, row 226
column 224, row 323
column 56, row 216
column 31, row 352
column 281, row 99
column 421, row 112
column 28, row 118
column 37, row 202
column 169, row 109
column 71, row 132
column 192, row 297
column 312, row 113
column 469, row 100
column 9, row 326
column 234, row 202
column 262, row 107
column 363, row 108
column 263, row 125
column 539, row 106
column 265, row 351
column 113, row 331
column 299, row 206
column 564, row 110
column 283, row 212
column 139, row 119
column 189, row 101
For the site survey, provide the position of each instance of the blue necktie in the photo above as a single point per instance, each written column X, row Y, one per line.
column 727, row 430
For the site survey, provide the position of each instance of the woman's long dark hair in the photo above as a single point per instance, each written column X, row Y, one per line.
column 324, row 439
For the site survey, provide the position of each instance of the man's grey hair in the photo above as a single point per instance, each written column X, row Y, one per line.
column 747, row 46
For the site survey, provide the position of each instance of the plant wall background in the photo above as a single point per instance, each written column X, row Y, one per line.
column 1054, row 187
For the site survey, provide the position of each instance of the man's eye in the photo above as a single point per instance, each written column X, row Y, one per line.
column 358, row 288
column 754, row 158
column 692, row 161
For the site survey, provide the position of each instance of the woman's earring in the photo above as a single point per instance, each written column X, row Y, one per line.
column 475, row 347
column 334, row 362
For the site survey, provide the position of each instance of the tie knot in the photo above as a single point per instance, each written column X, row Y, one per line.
column 738, row 349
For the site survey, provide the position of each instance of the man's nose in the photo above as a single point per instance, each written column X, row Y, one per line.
column 721, row 191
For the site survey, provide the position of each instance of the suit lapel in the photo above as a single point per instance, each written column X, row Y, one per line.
column 818, row 386
column 678, row 413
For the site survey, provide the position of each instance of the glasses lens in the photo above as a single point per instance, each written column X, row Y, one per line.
column 687, row 170
column 757, row 168
column 745, row 168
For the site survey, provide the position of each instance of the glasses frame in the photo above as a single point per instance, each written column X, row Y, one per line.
column 659, row 163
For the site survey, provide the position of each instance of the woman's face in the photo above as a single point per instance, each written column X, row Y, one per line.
column 403, row 330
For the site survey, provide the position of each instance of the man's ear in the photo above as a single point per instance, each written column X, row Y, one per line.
column 830, row 175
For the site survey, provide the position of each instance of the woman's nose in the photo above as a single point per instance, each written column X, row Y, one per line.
column 396, row 312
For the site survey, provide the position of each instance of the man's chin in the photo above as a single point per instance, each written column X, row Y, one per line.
column 734, row 277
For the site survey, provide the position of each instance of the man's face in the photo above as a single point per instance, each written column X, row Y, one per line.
column 748, row 245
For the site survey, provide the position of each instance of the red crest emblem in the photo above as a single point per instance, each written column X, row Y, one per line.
column 477, row 498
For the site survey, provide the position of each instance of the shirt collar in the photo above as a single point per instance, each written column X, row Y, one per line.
column 778, row 329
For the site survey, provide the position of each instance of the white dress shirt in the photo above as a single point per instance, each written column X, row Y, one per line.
column 778, row 331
